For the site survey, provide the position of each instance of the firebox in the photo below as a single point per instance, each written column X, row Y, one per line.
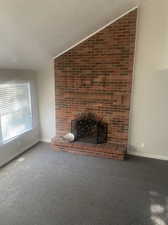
column 88, row 128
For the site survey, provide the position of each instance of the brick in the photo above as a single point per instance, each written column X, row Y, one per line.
column 96, row 76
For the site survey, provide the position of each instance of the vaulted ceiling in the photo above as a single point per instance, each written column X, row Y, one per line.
column 34, row 31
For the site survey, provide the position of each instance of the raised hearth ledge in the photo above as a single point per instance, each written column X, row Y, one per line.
column 112, row 151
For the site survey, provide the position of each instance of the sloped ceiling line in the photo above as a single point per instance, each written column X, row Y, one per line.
column 92, row 34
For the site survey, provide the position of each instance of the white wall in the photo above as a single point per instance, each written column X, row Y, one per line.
column 149, row 109
column 28, row 139
column 148, row 118
column 46, row 95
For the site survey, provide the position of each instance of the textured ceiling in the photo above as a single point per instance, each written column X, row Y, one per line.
column 32, row 32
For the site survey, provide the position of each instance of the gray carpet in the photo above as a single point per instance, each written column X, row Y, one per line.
column 55, row 188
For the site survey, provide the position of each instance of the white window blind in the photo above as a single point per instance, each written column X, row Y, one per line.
column 15, row 110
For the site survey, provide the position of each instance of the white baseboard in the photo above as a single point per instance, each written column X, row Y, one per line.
column 149, row 155
column 46, row 140
column 29, row 146
column 141, row 154
column 19, row 153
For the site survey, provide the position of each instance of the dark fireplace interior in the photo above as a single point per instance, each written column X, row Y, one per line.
column 87, row 128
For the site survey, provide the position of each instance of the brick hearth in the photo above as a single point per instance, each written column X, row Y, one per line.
column 116, row 151
column 96, row 77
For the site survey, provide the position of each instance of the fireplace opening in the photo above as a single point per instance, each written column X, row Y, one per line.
column 87, row 128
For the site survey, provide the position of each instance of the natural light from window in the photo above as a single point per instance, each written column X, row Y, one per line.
column 15, row 110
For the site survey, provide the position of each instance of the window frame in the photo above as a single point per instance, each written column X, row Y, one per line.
column 3, row 142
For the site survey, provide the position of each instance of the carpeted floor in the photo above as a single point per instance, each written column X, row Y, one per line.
column 43, row 187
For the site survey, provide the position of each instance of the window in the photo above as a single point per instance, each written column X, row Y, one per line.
column 15, row 110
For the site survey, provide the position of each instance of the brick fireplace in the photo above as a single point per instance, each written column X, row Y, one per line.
column 95, row 78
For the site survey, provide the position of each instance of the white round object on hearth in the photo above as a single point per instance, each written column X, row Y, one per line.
column 69, row 137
